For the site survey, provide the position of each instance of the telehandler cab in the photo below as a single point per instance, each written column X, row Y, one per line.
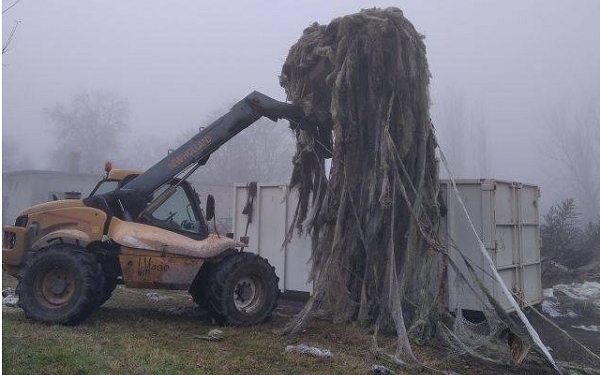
column 146, row 229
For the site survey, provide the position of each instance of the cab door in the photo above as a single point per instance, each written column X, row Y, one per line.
column 180, row 212
column 145, row 268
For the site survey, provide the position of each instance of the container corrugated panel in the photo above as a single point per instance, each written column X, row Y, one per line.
column 273, row 209
column 506, row 217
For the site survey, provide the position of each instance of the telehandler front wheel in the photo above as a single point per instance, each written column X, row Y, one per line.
column 60, row 285
column 243, row 290
column 110, row 284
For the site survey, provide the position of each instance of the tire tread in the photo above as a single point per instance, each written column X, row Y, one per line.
column 218, row 294
column 92, row 285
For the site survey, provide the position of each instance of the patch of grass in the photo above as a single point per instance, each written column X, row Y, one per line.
column 132, row 335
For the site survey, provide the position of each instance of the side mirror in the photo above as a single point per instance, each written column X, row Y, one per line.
column 210, row 207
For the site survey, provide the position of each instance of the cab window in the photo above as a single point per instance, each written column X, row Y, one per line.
column 177, row 213
column 104, row 186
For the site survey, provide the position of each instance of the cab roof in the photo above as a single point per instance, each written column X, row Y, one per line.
column 120, row 174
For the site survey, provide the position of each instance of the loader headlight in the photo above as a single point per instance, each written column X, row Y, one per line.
column 21, row 221
column 9, row 240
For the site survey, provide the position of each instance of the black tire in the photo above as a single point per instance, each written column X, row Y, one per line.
column 111, row 271
column 200, row 285
column 243, row 290
column 110, row 283
column 199, row 288
column 60, row 285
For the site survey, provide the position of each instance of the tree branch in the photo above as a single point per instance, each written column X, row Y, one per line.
column 10, row 6
column 10, row 36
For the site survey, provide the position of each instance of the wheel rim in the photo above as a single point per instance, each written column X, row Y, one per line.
column 248, row 294
column 57, row 287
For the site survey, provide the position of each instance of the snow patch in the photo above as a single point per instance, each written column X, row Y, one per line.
column 310, row 350
column 552, row 308
column 592, row 328
column 585, row 291
column 152, row 296
column 9, row 298
column 380, row 370
column 572, row 300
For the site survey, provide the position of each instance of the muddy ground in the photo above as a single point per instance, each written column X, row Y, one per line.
column 563, row 347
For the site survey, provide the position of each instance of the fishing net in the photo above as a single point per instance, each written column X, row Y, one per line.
column 374, row 218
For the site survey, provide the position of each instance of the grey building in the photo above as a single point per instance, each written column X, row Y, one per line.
column 22, row 189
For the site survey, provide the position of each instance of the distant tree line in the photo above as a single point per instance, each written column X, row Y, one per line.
column 570, row 244
column 573, row 150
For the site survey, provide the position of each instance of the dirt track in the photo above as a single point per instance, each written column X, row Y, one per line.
column 563, row 348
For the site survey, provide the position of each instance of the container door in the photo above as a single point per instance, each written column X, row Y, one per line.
column 272, row 227
column 530, row 244
column 459, row 235
column 272, row 214
column 508, row 241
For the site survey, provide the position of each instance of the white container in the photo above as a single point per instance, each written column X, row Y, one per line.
column 505, row 215
column 506, row 218
column 271, row 218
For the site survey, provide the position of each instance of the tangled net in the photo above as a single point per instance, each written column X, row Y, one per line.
column 374, row 220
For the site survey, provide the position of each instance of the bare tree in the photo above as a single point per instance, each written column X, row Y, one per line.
column 142, row 151
column 479, row 140
column 463, row 135
column 88, row 131
column 11, row 35
column 574, row 138
column 454, row 131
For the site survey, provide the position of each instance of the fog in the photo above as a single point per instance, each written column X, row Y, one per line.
column 511, row 65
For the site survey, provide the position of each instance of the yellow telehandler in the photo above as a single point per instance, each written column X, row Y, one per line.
column 148, row 231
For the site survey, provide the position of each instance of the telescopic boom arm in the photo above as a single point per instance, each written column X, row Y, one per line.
column 202, row 145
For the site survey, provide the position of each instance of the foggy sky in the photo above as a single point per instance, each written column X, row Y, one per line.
column 176, row 61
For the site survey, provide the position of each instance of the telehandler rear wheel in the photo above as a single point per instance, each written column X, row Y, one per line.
column 60, row 285
column 242, row 290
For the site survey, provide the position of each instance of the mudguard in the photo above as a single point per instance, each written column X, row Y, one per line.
column 163, row 241
column 67, row 235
